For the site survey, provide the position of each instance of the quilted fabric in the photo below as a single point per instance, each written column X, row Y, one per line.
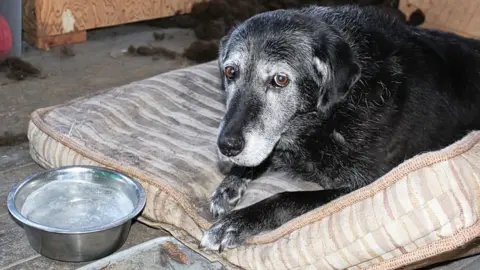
column 162, row 131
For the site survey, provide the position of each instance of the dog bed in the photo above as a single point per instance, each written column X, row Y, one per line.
column 162, row 131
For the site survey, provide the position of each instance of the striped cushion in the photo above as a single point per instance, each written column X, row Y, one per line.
column 162, row 131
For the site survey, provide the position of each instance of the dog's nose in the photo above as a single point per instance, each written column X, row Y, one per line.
column 231, row 145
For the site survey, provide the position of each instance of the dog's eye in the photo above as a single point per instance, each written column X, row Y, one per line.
column 230, row 72
column 280, row 80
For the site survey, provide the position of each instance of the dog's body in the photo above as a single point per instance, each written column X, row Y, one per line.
column 364, row 93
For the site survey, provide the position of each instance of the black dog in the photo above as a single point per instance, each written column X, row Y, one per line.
column 337, row 96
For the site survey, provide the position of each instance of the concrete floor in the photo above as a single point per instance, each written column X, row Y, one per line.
column 97, row 64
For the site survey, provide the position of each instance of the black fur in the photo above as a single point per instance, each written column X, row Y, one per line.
column 395, row 91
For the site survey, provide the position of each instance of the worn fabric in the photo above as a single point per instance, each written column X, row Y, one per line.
column 162, row 131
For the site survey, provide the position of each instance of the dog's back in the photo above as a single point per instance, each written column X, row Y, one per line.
column 419, row 91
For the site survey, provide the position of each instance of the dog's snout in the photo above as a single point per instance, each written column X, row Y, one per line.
column 231, row 145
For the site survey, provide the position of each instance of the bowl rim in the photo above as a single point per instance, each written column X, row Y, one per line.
column 17, row 215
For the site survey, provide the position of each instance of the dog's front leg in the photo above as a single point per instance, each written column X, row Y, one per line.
column 265, row 215
column 232, row 188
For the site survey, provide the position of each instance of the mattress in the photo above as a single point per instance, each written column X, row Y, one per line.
column 162, row 131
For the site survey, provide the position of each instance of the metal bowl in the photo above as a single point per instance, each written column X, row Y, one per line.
column 76, row 213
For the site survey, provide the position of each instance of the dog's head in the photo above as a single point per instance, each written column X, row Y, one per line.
column 274, row 66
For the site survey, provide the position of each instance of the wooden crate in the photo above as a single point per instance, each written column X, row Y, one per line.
column 458, row 16
column 47, row 23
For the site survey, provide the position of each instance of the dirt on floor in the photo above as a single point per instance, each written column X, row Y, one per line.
column 18, row 69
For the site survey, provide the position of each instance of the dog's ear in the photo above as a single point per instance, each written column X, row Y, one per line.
column 337, row 69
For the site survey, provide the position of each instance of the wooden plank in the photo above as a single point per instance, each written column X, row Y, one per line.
column 14, row 246
column 15, row 164
column 47, row 42
column 56, row 17
column 468, row 263
column 29, row 17
column 14, row 156
column 107, row 13
column 460, row 16
column 18, row 253
column 9, row 178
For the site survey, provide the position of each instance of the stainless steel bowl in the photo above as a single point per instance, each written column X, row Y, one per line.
column 72, row 243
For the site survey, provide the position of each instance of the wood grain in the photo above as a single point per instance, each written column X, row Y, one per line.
column 13, row 157
column 15, row 164
column 46, row 42
column 459, row 16
column 10, row 178
column 14, row 246
column 29, row 17
column 51, row 17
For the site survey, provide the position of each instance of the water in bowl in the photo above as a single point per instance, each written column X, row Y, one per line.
column 76, row 205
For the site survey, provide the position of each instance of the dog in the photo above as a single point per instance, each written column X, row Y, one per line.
column 334, row 95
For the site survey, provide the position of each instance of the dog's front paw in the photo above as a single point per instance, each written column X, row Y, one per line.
column 227, row 195
column 229, row 232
